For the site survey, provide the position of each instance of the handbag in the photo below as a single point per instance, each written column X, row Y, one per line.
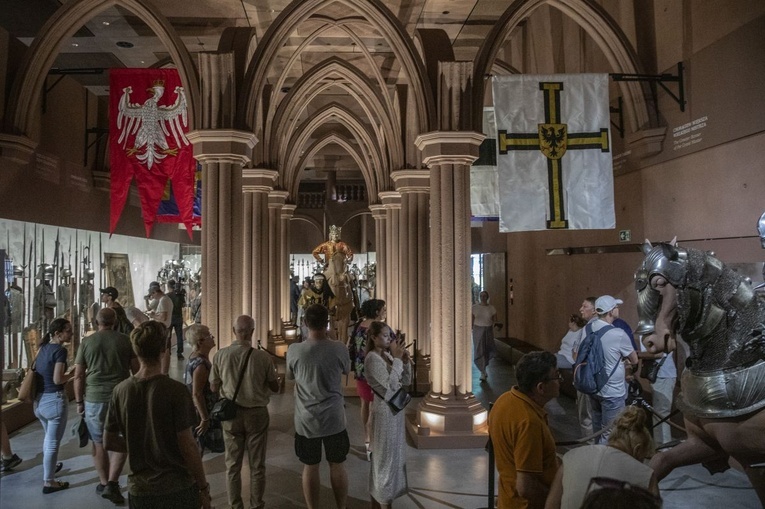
column 650, row 368
column 398, row 401
column 31, row 385
column 225, row 409
column 213, row 438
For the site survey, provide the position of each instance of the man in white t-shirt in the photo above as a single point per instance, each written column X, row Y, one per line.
column 163, row 313
column 609, row 401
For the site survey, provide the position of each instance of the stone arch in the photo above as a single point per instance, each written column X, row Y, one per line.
column 379, row 16
column 310, row 85
column 297, row 162
column 310, row 220
column 39, row 58
column 597, row 23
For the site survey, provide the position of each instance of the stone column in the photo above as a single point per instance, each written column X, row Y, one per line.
column 450, row 414
column 257, row 183
column 222, row 153
column 288, row 210
column 412, row 184
column 378, row 214
column 276, row 200
column 391, row 200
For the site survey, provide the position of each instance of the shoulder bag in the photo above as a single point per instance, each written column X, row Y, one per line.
column 650, row 368
column 398, row 401
column 30, row 386
column 225, row 409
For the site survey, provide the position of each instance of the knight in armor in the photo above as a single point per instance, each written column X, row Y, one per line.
column 334, row 246
column 44, row 304
column 64, row 293
column 15, row 297
column 318, row 292
column 761, row 231
column 87, row 300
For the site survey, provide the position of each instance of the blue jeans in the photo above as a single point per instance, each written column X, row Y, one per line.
column 178, row 328
column 604, row 412
column 51, row 409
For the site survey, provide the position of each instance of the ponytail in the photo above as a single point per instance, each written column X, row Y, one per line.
column 57, row 325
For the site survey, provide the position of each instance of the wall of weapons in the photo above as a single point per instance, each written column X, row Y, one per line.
column 57, row 272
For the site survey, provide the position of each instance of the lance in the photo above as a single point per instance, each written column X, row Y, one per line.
column 32, row 280
column 55, row 259
column 101, row 263
column 42, row 282
column 76, row 289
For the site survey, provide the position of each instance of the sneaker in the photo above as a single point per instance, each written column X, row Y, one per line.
column 112, row 492
column 180, row 357
column 10, row 463
column 58, row 486
column 100, row 489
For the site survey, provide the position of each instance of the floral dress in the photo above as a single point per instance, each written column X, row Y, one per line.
column 387, row 477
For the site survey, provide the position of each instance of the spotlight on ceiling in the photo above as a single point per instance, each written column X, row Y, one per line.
column 124, row 44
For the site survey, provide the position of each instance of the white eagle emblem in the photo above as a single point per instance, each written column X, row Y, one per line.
column 150, row 122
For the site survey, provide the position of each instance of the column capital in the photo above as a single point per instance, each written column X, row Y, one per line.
column 390, row 199
column 16, row 148
column 411, row 181
column 378, row 211
column 222, row 145
column 277, row 198
column 258, row 180
column 449, row 147
column 288, row 210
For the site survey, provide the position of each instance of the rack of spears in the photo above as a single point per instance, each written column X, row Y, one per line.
column 42, row 286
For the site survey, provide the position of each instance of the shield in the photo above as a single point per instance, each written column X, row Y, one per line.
column 553, row 140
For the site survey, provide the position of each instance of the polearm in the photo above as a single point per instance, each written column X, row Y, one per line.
column 76, row 292
column 23, row 268
column 43, row 320
column 32, row 281
column 101, row 263
column 55, row 260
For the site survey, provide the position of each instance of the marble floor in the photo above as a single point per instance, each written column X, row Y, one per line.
column 437, row 478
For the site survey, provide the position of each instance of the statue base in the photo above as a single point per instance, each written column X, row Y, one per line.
column 453, row 421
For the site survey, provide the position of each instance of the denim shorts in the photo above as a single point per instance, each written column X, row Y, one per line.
column 95, row 417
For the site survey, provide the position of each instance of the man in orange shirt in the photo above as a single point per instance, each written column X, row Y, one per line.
column 523, row 445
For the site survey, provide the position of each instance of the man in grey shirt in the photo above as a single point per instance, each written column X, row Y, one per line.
column 317, row 366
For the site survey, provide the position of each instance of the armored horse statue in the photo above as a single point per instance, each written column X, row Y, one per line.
column 335, row 255
column 690, row 295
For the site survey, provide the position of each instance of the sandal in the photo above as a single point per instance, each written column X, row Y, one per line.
column 58, row 486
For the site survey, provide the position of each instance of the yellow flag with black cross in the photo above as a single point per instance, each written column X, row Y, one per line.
column 554, row 153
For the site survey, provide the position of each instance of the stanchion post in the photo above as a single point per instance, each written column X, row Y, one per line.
column 491, row 487
column 415, row 393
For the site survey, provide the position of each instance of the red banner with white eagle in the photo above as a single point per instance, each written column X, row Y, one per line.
column 148, row 122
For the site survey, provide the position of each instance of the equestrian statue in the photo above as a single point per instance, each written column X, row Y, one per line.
column 336, row 257
column 689, row 295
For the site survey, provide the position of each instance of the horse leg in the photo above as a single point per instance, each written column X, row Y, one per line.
column 757, row 478
column 694, row 450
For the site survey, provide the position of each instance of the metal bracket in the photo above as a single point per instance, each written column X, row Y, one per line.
column 620, row 111
column 660, row 79
column 61, row 73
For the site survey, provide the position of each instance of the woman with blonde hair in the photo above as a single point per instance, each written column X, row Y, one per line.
column 196, row 377
column 622, row 459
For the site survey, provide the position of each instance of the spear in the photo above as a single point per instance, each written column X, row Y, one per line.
column 55, row 258
column 32, row 280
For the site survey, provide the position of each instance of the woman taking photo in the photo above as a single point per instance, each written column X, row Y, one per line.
column 371, row 310
column 196, row 378
column 387, row 369
column 51, row 403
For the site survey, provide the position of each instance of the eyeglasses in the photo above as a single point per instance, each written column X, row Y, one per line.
column 617, row 485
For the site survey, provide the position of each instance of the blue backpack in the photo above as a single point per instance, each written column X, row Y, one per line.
column 590, row 364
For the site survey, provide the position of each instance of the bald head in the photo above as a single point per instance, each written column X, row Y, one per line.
column 106, row 318
column 244, row 326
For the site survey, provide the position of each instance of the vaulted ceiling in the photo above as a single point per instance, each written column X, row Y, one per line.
column 340, row 80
